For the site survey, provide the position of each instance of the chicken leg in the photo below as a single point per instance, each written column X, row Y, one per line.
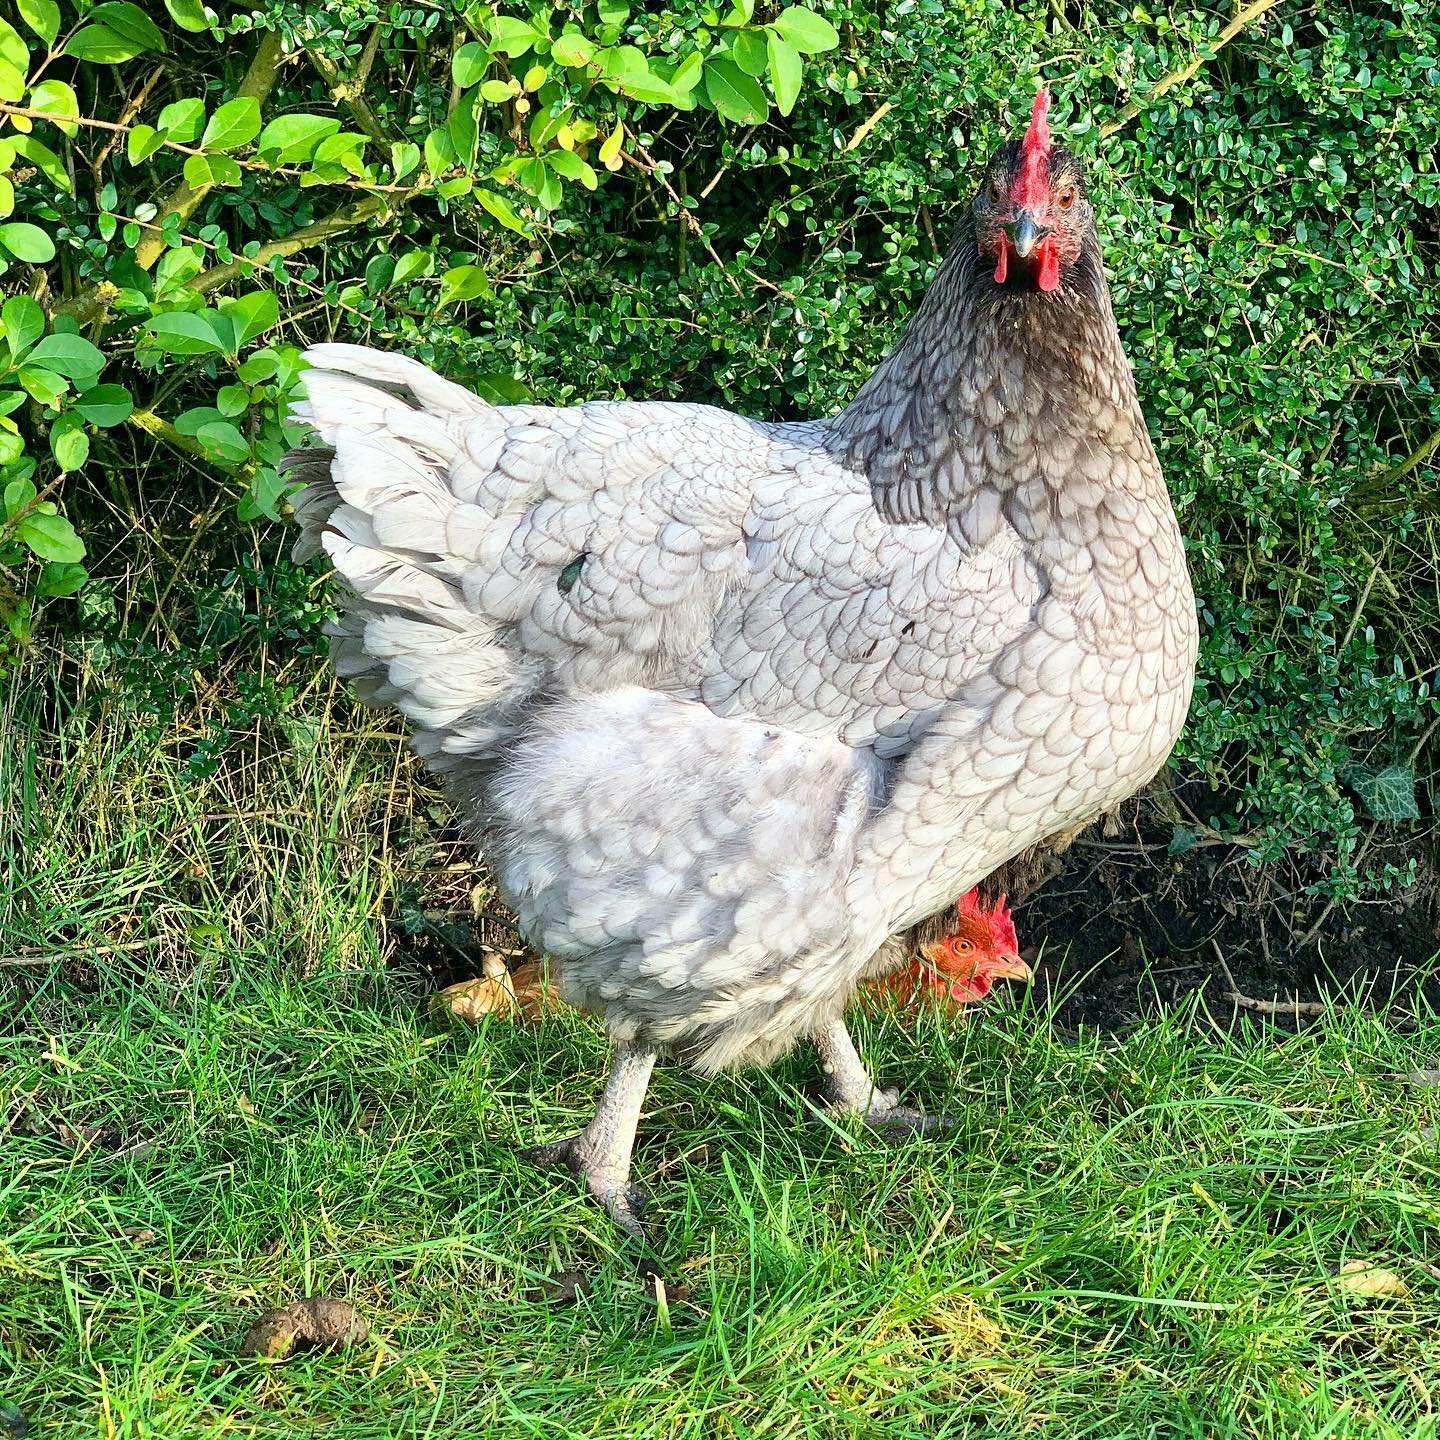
column 851, row 1090
column 600, row 1153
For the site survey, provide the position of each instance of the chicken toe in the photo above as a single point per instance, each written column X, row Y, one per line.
column 851, row 1090
column 600, row 1153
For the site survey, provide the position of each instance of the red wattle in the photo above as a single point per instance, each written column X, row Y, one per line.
column 1049, row 276
column 1000, row 263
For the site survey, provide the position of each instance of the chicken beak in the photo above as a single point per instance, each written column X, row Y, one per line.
column 1010, row 967
column 1025, row 233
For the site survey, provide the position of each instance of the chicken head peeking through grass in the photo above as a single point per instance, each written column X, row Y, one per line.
column 729, row 703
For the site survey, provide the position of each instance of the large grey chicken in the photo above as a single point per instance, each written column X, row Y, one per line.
column 726, row 703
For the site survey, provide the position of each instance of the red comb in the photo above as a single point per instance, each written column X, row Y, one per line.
column 998, row 917
column 1030, row 187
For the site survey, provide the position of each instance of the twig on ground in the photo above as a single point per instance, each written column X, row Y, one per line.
column 858, row 138
column 1293, row 1006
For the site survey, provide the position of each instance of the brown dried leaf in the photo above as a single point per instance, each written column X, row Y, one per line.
column 81, row 1139
column 534, row 994
column 1371, row 1281
column 316, row 1323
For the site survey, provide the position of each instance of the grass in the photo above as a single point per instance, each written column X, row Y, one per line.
column 216, row 1096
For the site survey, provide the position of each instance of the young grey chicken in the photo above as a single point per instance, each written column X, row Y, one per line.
column 726, row 703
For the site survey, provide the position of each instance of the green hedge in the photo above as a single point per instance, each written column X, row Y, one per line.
column 583, row 201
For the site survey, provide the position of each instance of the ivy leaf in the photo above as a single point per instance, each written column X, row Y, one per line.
column 53, row 537
column 24, row 323
column 105, row 405
column 463, row 282
column 27, row 242
column 100, row 45
column 786, row 70
column 182, row 120
column 130, row 22
column 59, row 102
column 809, row 33
column 1387, row 794
column 734, row 94
column 235, row 123
column 43, row 17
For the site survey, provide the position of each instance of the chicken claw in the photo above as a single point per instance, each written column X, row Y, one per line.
column 850, row 1090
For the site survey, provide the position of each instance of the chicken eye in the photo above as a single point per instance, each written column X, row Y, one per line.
column 963, row 947
column 994, row 190
column 1066, row 198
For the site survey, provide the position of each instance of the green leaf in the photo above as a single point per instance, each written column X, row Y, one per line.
column 502, row 210
column 501, row 389
column 142, row 142
column 58, row 101
column 45, row 160
column 58, row 579
column 43, row 385
column 189, row 15
column 252, row 314
column 513, row 37
column 294, row 137
column 496, row 91
column 613, row 12
column 105, row 405
column 182, row 120
column 573, row 50
column 27, row 242
column 7, row 197
column 183, row 333
column 24, row 323
column 748, row 51
column 469, row 64
column 571, row 166
column 809, row 33
column 130, row 22
column 16, row 496
column 267, row 489
column 223, row 441
column 53, row 537
column 404, row 157
column 786, row 70
column 734, row 94
column 235, row 123
column 100, row 45
column 463, row 282
column 43, row 17
column 232, row 400
column 1387, row 794
column 688, row 73
column 14, row 51
column 411, row 264
column 70, row 446
column 71, row 355
column 12, row 83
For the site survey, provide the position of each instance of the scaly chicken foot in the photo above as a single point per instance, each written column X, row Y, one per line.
column 600, row 1153
column 851, row 1090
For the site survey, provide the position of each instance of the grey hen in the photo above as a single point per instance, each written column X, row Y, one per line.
column 726, row 704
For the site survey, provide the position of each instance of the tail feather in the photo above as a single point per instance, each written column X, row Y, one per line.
column 379, row 497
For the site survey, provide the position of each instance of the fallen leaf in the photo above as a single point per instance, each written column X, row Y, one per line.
column 316, row 1323
column 1423, row 1078
column 137, row 1235
column 565, row 1287
column 81, row 1139
column 1371, row 1281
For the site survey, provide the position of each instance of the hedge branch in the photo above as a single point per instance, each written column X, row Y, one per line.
column 258, row 82
column 1250, row 13
column 158, row 429
column 350, row 93
column 301, row 239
